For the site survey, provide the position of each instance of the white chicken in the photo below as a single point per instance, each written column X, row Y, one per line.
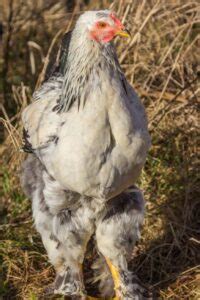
column 87, row 133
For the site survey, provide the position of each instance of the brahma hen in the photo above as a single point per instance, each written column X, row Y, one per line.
column 87, row 133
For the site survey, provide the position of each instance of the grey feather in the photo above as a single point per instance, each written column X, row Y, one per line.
column 31, row 174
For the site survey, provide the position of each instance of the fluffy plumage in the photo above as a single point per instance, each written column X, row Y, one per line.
column 87, row 132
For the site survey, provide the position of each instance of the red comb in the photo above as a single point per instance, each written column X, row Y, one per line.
column 116, row 20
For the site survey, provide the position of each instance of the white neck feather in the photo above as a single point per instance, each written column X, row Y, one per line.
column 84, row 56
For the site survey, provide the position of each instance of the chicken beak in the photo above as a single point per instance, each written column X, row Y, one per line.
column 125, row 33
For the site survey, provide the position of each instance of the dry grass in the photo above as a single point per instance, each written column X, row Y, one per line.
column 161, row 61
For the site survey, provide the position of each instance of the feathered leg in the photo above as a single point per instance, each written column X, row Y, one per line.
column 117, row 231
column 64, row 232
column 73, row 230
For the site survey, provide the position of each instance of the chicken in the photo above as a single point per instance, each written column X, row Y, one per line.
column 86, row 132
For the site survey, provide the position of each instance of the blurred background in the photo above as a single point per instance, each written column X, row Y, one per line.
column 162, row 62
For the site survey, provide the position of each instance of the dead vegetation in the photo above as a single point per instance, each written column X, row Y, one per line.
column 161, row 61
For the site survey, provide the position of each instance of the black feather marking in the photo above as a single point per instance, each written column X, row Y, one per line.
column 59, row 108
column 79, row 102
column 124, row 85
column 56, row 108
column 64, row 216
column 123, row 203
column 27, row 146
column 64, row 51
column 51, row 177
column 43, row 206
column 53, row 138
column 56, row 140
column 84, row 100
column 57, row 63
column 54, row 238
column 69, row 104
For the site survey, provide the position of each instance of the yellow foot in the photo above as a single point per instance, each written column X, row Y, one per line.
column 116, row 278
column 115, row 275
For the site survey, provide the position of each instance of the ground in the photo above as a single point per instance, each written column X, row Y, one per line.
column 161, row 62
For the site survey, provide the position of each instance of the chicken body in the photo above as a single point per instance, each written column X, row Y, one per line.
column 87, row 132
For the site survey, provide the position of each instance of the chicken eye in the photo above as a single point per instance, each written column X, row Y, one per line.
column 102, row 24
